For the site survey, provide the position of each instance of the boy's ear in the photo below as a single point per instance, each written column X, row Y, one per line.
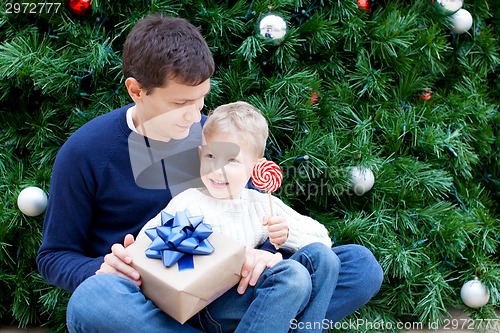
column 199, row 151
column 134, row 89
column 258, row 161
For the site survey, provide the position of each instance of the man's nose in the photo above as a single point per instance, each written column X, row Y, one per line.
column 193, row 112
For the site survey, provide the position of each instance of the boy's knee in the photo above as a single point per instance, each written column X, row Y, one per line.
column 296, row 277
column 300, row 283
column 317, row 255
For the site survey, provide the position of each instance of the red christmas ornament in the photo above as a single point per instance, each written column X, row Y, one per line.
column 426, row 96
column 364, row 4
column 314, row 98
column 79, row 7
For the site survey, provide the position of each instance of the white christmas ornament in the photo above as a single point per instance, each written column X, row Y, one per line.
column 362, row 180
column 32, row 201
column 461, row 21
column 272, row 26
column 451, row 5
column 474, row 294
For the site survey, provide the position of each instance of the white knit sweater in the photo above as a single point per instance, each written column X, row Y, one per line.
column 241, row 219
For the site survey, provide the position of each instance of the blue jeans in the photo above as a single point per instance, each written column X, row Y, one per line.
column 108, row 303
column 298, row 288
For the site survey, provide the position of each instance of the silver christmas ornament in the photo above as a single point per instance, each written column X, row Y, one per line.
column 474, row 293
column 451, row 5
column 362, row 180
column 272, row 27
column 32, row 201
column 461, row 21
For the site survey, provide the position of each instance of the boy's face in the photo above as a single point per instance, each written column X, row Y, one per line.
column 226, row 165
column 167, row 112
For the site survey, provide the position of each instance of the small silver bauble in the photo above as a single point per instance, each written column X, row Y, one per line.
column 272, row 26
column 474, row 293
column 362, row 180
column 32, row 201
column 451, row 5
column 461, row 21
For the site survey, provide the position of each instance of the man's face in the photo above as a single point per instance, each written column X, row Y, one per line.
column 168, row 112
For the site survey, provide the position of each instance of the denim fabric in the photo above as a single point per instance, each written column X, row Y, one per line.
column 108, row 303
column 300, row 288
column 359, row 280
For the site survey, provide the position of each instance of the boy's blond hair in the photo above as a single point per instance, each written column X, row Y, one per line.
column 242, row 119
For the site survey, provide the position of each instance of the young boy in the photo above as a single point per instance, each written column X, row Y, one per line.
column 234, row 139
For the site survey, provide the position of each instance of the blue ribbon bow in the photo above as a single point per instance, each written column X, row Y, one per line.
column 178, row 238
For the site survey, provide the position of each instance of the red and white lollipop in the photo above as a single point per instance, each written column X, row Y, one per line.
column 267, row 176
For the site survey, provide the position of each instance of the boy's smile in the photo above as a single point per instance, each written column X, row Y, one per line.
column 225, row 165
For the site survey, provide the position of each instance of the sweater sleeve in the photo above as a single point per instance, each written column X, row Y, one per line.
column 303, row 230
column 61, row 258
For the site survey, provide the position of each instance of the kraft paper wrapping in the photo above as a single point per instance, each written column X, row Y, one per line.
column 182, row 294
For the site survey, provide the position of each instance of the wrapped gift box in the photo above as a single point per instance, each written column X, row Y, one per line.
column 183, row 293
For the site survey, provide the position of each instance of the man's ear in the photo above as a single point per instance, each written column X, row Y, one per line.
column 134, row 89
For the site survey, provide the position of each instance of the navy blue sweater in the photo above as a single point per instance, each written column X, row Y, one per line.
column 102, row 189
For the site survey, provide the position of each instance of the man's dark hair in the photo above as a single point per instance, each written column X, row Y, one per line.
column 161, row 48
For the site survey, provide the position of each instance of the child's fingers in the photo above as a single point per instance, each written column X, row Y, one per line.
column 276, row 228
column 276, row 259
column 278, row 235
column 276, row 220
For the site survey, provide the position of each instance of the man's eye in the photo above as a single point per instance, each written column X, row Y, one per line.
column 179, row 103
column 233, row 160
column 209, row 156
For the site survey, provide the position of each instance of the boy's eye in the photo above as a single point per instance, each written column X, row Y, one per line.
column 179, row 103
column 209, row 156
column 233, row 160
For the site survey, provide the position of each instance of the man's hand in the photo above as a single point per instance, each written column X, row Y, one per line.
column 255, row 263
column 277, row 228
column 118, row 262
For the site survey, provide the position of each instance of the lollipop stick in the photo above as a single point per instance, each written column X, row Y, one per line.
column 272, row 214
column 270, row 203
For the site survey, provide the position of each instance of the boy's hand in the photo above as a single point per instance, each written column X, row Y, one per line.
column 118, row 262
column 277, row 228
column 256, row 261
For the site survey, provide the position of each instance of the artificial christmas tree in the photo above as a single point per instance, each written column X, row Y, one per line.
column 432, row 216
